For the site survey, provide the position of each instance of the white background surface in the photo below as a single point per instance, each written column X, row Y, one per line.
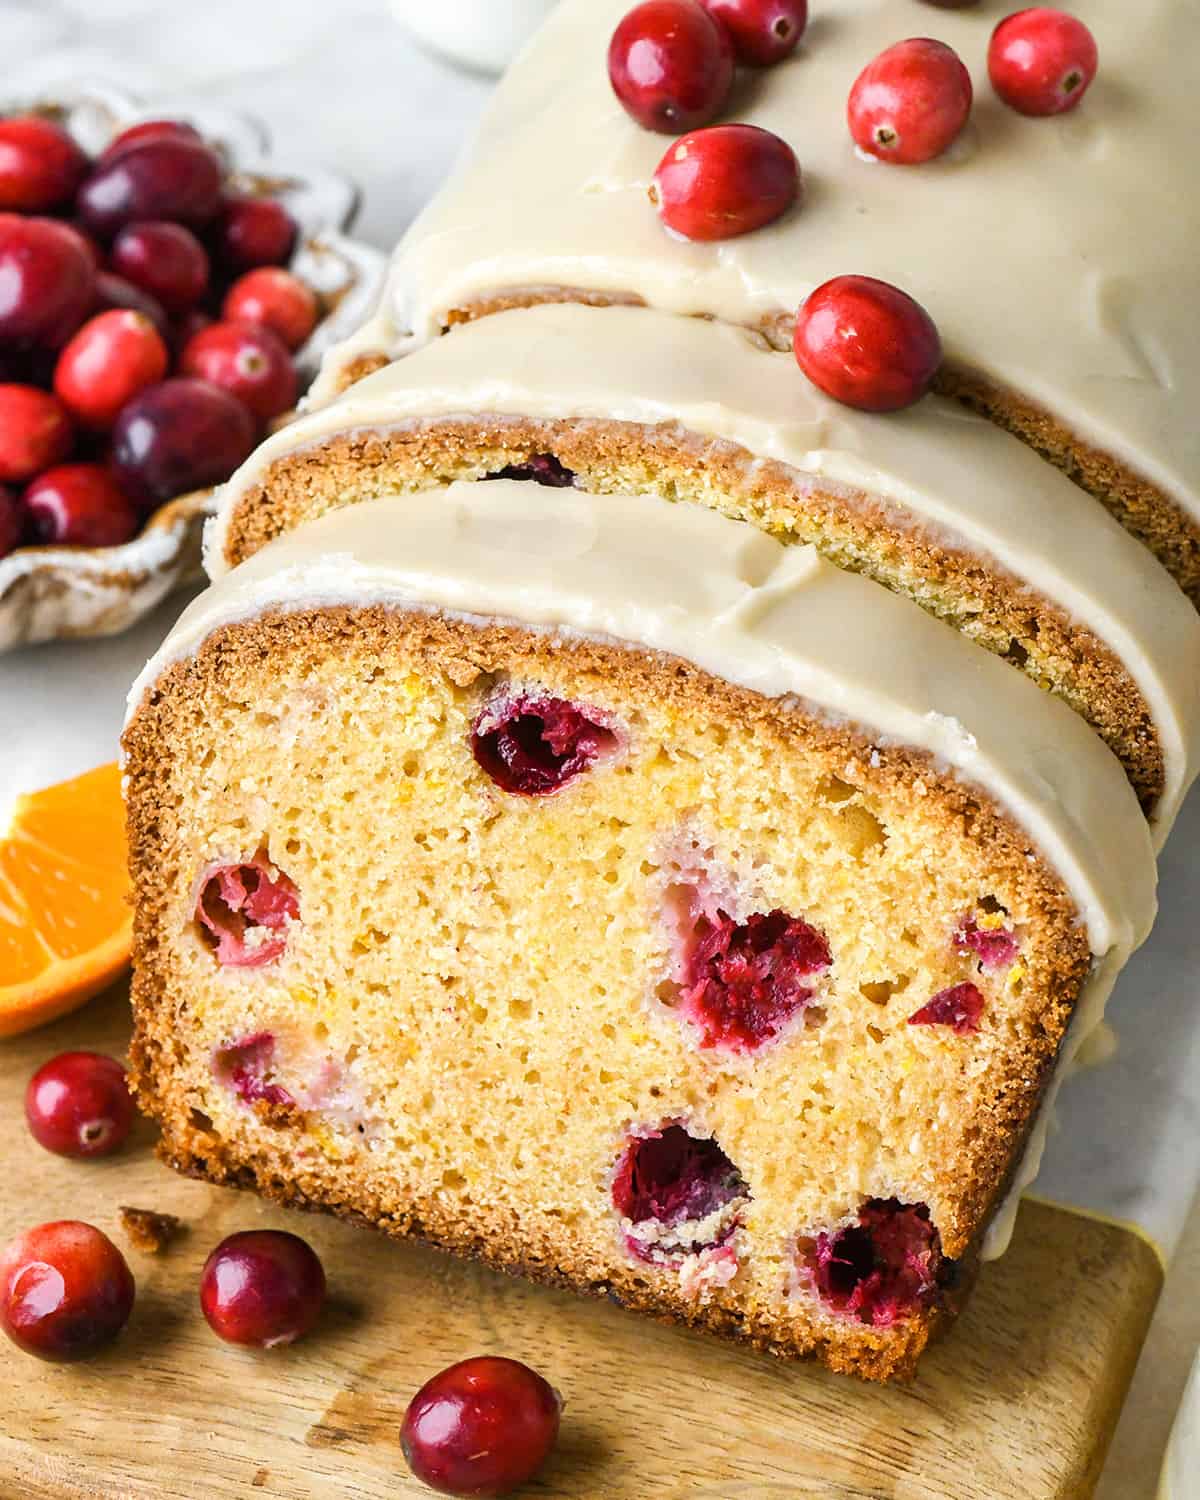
column 339, row 82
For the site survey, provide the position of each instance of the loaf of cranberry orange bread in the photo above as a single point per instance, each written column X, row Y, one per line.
column 604, row 889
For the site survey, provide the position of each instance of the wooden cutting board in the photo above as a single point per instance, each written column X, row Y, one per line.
column 1018, row 1404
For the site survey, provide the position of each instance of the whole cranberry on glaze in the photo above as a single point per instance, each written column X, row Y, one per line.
column 763, row 32
column 262, row 1288
column 79, row 505
column 175, row 179
column 482, row 1427
column 867, row 344
column 255, row 232
column 65, row 1291
column 78, row 1103
column 113, row 356
column 47, row 281
column 35, row 432
column 248, row 361
column 177, row 436
column 911, row 103
column 277, row 300
column 671, row 65
column 115, row 292
column 724, row 181
column 12, row 521
column 150, row 130
column 40, row 165
column 1042, row 61
column 166, row 260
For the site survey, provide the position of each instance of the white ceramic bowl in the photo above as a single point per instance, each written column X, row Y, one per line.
column 51, row 592
column 480, row 34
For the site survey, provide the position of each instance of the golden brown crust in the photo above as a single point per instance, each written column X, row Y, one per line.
column 1056, row 950
column 1146, row 511
column 976, row 595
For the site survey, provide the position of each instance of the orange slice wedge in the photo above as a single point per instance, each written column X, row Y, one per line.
column 65, row 919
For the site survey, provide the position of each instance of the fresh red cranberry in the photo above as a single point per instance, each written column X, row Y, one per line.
column 276, row 300
column 763, row 31
column 35, row 432
column 248, row 361
column 166, row 260
column 79, row 505
column 106, row 364
column 995, row 947
column 40, row 165
column 867, row 344
column 742, row 982
column 240, row 904
column 671, row 65
column 960, row 1008
column 255, row 232
column 12, row 521
column 177, row 436
column 533, row 744
column 114, row 292
column 481, row 1428
column 724, row 181
column 247, row 1067
column 47, row 281
column 151, row 130
column 78, row 1104
column 65, row 1291
column 173, row 179
column 262, row 1288
column 681, row 1192
column 540, row 468
column 1042, row 61
column 883, row 1268
column 910, row 104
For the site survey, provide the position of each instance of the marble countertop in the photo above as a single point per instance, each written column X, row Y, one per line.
column 343, row 84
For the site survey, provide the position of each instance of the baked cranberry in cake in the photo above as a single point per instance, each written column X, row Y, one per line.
column 247, row 1067
column 727, row 180
column 482, row 1427
column 533, row 744
column 867, row 344
column 882, row 1269
column 1042, row 61
column 742, row 982
column 763, row 32
column 541, row 468
column 671, row 65
column 995, row 947
column 246, row 909
column 959, row 1007
column 678, row 1195
column 910, row 103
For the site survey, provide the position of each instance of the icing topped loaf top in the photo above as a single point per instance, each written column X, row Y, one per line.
column 1057, row 256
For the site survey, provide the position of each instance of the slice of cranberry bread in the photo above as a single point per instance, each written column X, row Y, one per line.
column 1056, row 257
column 932, row 502
column 611, row 893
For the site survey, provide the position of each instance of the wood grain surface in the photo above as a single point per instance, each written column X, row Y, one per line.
column 1017, row 1404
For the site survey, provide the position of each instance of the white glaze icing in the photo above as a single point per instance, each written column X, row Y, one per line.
column 981, row 489
column 778, row 620
column 1057, row 256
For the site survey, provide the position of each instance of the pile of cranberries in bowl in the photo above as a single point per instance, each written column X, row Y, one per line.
column 148, row 326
